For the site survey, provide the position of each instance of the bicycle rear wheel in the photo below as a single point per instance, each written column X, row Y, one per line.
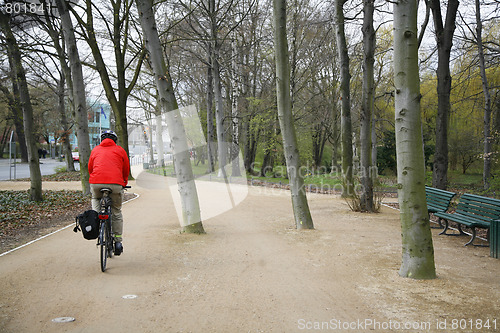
column 109, row 239
column 103, row 242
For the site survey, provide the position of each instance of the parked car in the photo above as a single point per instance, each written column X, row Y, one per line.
column 76, row 156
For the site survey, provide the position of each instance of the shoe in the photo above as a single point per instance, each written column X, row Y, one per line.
column 118, row 248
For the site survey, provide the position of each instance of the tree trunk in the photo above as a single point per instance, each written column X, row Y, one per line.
column 374, row 149
column 319, row 138
column 79, row 94
column 417, row 248
column 210, row 113
column 367, row 203
column 16, row 113
column 250, row 147
column 219, row 105
column 56, row 36
column 235, row 147
column 444, row 38
column 219, row 118
column 3, row 141
column 346, row 126
column 159, row 134
column 303, row 219
column 149, row 139
column 185, row 180
column 14, row 54
column 70, row 164
column 487, row 100
column 335, row 140
column 266, row 163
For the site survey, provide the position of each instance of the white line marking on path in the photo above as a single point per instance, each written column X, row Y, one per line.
column 54, row 232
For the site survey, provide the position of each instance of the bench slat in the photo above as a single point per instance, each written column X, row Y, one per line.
column 488, row 202
column 466, row 220
column 478, row 205
column 479, row 198
column 480, row 213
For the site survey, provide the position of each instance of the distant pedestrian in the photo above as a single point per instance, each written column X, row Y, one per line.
column 44, row 152
column 40, row 153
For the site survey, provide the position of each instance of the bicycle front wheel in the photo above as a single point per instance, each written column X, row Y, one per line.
column 103, row 244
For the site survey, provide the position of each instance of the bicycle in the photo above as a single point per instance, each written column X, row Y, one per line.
column 106, row 240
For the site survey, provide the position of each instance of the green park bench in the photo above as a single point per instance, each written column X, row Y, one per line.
column 473, row 211
column 438, row 200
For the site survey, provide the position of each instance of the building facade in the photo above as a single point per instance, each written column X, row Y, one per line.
column 99, row 119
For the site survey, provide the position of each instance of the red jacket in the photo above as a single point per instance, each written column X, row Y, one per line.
column 109, row 164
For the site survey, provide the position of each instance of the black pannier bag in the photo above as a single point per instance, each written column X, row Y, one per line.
column 88, row 223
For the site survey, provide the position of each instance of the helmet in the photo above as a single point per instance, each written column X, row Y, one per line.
column 109, row 135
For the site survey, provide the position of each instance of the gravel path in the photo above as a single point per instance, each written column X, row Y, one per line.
column 251, row 272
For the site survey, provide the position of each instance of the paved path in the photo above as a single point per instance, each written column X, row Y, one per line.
column 251, row 272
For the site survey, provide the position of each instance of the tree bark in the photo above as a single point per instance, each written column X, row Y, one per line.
column 487, row 100
column 210, row 113
column 79, row 94
column 219, row 105
column 58, row 41
column 346, row 126
column 16, row 111
column 159, row 133
column 14, row 54
column 444, row 39
column 235, row 95
column 70, row 164
column 185, row 180
column 303, row 219
column 366, row 115
column 219, row 118
column 417, row 247
column 374, row 148
column 250, row 146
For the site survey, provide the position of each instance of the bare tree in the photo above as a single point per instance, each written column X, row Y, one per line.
column 117, row 84
column 487, row 99
column 367, row 203
column 14, row 55
column 346, row 125
column 444, row 38
column 185, row 179
column 16, row 113
column 303, row 219
column 417, row 247
column 79, row 99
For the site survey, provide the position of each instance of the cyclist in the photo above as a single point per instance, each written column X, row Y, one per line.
column 109, row 167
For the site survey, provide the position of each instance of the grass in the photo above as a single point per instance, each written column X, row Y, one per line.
column 199, row 170
column 319, row 180
column 472, row 180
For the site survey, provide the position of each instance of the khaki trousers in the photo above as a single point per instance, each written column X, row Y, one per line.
column 116, row 205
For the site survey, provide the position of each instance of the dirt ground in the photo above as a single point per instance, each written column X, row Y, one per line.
column 251, row 272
